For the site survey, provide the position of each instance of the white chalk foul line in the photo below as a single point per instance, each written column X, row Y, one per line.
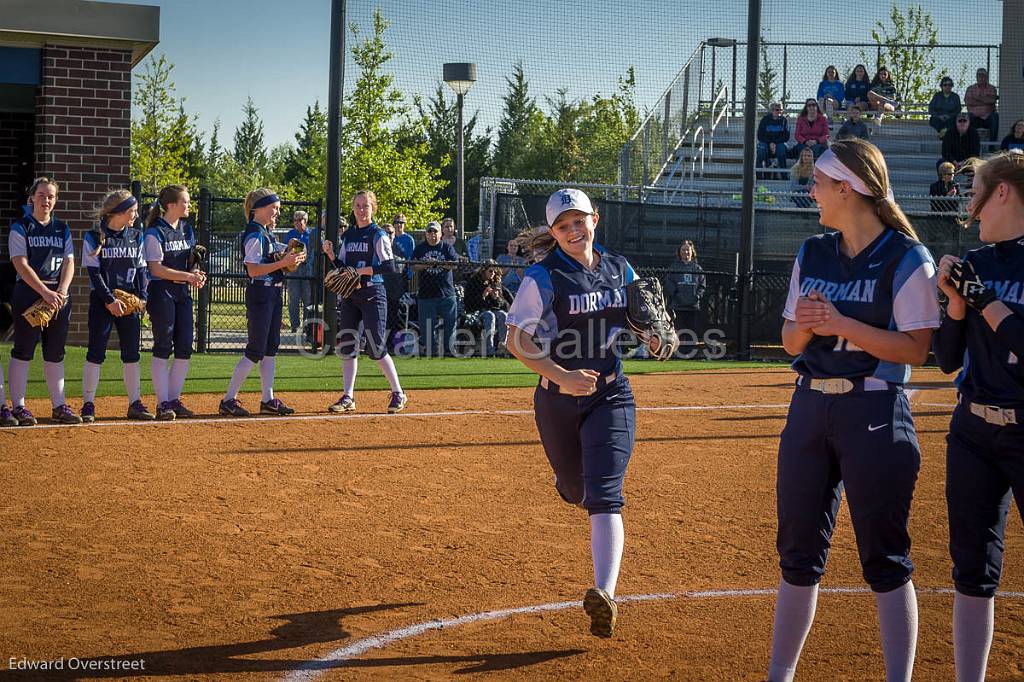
column 122, row 423
column 310, row 670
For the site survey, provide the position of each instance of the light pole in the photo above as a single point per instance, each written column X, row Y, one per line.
column 460, row 78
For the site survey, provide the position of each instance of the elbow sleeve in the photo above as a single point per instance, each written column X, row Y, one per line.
column 949, row 344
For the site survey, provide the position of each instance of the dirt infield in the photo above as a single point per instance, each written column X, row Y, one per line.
column 250, row 549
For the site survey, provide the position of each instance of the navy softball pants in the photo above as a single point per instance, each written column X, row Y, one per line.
column 129, row 330
column 865, row 443
column 366, row 309
column 984, row 469
column 170, row 312
column 263, row 308
column 26, row 337
column 588, row 442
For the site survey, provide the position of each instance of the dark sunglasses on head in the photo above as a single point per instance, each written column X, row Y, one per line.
column 399, row 222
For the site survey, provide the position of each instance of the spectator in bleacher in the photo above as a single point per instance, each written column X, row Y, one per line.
column 831, row 92
column 980, row 99
column 685, row 284
column 811, row 129
column 944, row 107
column 857, row 86
column 883, row 97
column 944, row 187
column 513, row 276
column 854, row 125
column 448, row 237
column 961, row 144
column 486, row 295
column 772, row 136
column 1015, row 139
column 801, row 178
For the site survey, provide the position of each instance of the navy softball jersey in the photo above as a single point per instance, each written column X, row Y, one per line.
column 858, row 434
column 263, row 295
column 361, row 247
column 170, row 303
column 985, row 445
column 576, row 316
column 45, row 247
column 119, row 264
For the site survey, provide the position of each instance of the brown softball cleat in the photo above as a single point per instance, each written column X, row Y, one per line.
column 602, row 610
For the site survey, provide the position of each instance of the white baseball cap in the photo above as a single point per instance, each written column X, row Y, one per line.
column 567, row 200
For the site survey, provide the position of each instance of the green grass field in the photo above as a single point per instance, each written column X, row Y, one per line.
column 211, row 373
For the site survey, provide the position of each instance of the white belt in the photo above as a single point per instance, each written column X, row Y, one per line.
column 552, row 386
column 838, row 385
column 265, row 283
column 1000, row 416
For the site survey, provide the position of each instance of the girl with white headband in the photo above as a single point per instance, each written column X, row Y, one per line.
column 861, row 310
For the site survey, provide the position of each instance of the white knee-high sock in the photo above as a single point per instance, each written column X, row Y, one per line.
column 897, row 620
column 606, row 540
column 3, row 393
column 794, row 614
column 158, row 374
column 132, row 373
column 348, row 375
column 90, row 380
column 176, row 382
column 973, row 622
column 387, row 366
column 54, row 373
column 268, row 366
column 238, row 377
column 17, row 372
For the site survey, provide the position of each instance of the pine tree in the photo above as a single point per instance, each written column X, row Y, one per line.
column 162, row 134
column 306, row 166
column 250, row 152
column 521, row 123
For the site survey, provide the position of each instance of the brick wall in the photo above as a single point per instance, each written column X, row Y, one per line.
column 83, row 129
column 16, row 131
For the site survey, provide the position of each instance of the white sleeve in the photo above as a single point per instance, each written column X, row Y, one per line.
column 254, row 248
column 89, row 257
column 16, row 243
column 69, row 246
column 383, row 248
column 153, row 249
column 915, row 303
column 789, row 312
column 528, row 307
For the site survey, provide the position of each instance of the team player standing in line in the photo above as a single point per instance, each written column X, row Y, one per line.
column 861, row 310
column 367, row 248
column 43, row 255
column 168, row 245
column 563, row 325
column 983, row 332
column 265, row 266
column 113, row 258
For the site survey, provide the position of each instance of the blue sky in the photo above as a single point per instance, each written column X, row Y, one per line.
column 277, row 52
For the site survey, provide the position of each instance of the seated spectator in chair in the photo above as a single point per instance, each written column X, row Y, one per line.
column 801, row 178
column 486, row 295
column 945, row 187
column 857, row 86
column 1015, row 140
column 883, row 97
column 980, row 99
column 944, row 107
column 831, row 92
column 772, row 136
column 854, row 126
column 962, row 143
column 513, row 276
column 811, row 130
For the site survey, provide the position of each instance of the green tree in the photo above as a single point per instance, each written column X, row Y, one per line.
column 768, row 88
column 607, row 126
column 519, row 152
column 440, row 124
column 376, row 120
column 250, row 152
column 162, row 133
column 908, row 40
column 306, row 167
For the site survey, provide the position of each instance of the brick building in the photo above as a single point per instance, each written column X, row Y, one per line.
column 65, row 110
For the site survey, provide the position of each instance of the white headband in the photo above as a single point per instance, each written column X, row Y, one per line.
column 830, row 165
